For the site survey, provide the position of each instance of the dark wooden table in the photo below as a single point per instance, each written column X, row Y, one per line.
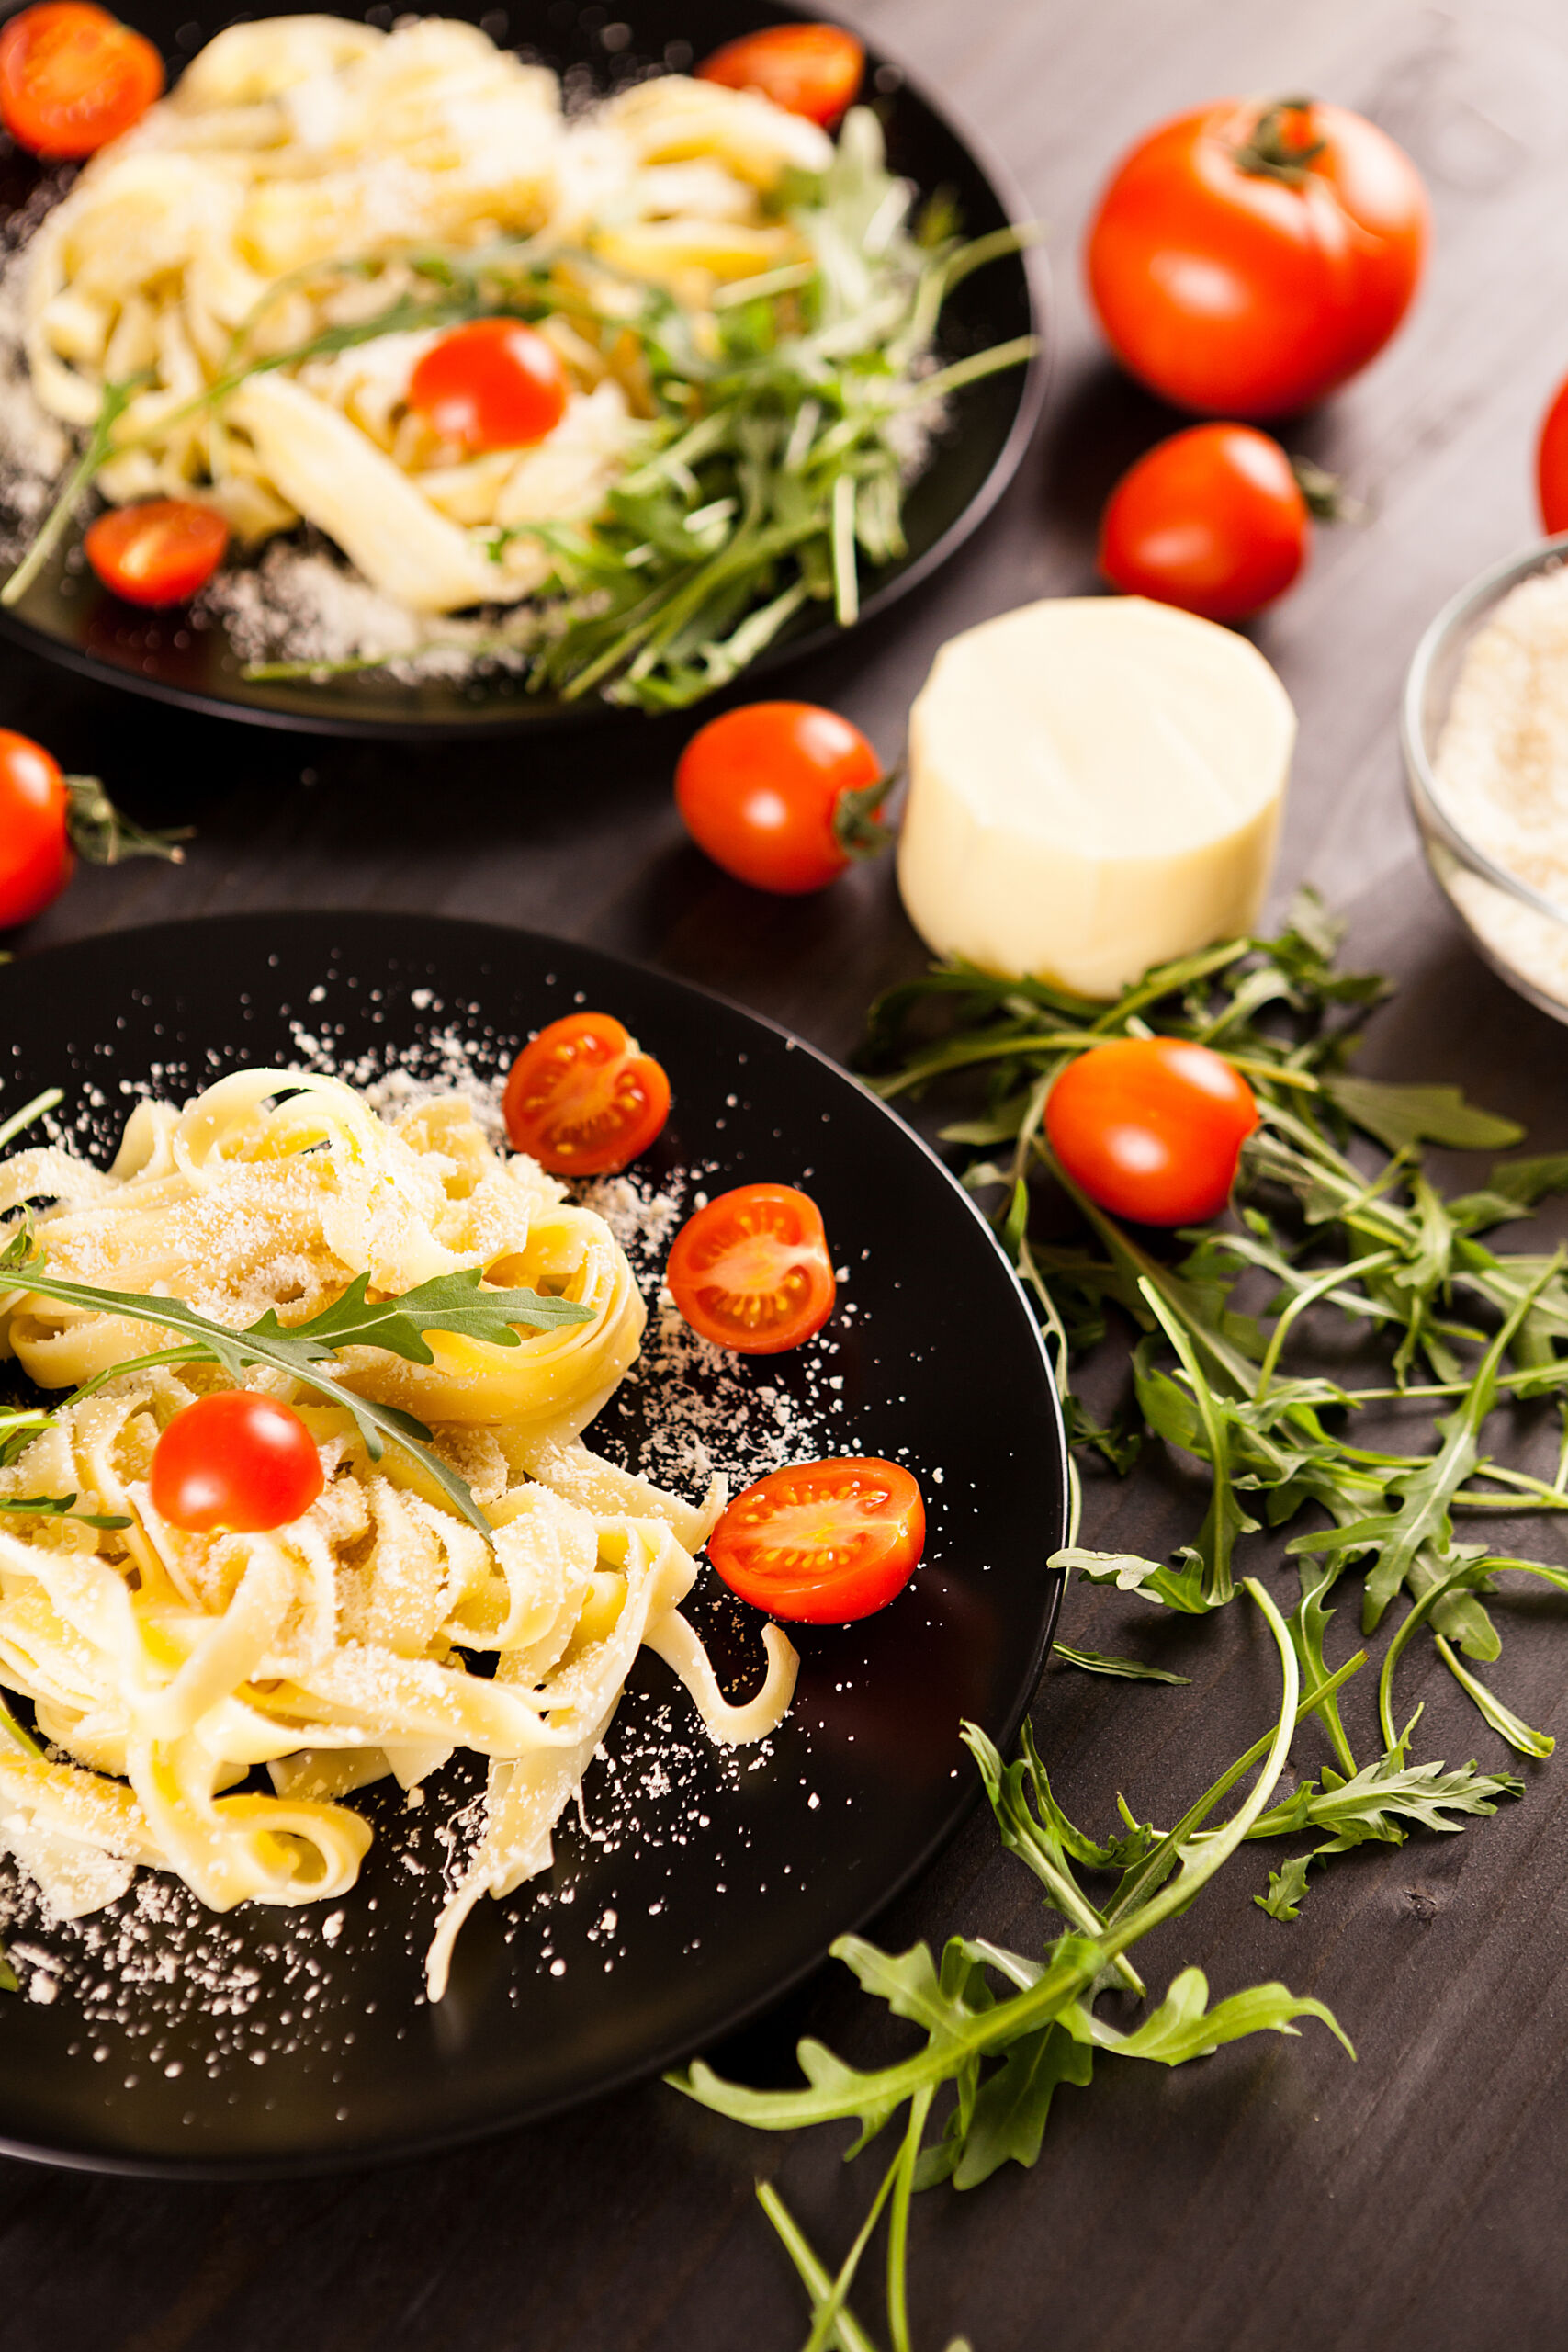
column 1276, row 2194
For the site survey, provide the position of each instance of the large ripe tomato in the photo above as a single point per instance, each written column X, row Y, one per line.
column 823, row 1541
column 71, row 78
column 814, row 69
column 1551, row 464
column 493, row 384
column 157, row 553
column 584, row 1097
column 780, row 793
column 752, row 1271
column 1246, row 259
column 36, row 856
column 1213, row 520
column 1151, row 1127
column 234, row 1460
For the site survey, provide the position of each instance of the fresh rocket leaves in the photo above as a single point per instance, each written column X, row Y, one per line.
column 455, row 1302
column 1223, row 1323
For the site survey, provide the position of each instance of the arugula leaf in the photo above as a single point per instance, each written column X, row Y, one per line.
column 1126, row 1669
column 8, row 1981
column 450, row 1303
column 1401, row 1117
column 60, row 1507
column 1287, row 1889
column 1185, row 2026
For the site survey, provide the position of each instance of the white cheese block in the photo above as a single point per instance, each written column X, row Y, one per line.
column 1095, row 785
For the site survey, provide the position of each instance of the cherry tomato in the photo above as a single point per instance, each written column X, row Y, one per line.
column 1551, row 464
column 752, row 1271
column 814, row 69
column 493, row 384
column 1151, row 1127
column 71, row 78
column 1213, row 520
column 234, row 1460
column 763, row 790
column 36, row 856
column 584, row 1097
column 822, row 1542
column 1246, row 260
column 157, row 553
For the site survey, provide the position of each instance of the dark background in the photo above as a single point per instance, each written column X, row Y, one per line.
column 1273, row 2194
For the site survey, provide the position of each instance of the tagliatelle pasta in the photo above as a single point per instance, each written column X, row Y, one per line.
column 380, row 1633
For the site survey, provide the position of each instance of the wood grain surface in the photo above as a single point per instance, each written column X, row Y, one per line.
column 1276, row 2194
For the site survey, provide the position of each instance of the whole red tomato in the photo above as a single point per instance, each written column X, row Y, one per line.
column 36, row 856
column 1247, row 258
column 235, row 1460
column 1151, row 1127
column 1213, row 520
column 1552, row 463
column 780, row 793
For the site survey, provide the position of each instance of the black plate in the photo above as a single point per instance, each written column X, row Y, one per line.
column 68, row 618
column 272, row 2040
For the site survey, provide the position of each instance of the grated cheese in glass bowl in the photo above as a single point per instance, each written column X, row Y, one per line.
column 1484, row 727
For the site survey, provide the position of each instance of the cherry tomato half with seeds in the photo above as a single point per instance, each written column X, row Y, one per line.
column 237, row 1461
column 822, row 1543
column 583, row 1099
column 814, row 69
column 73, row 77
column 752, row 1272
column 493, row 384
column 36, row 856
column 157, row 553
column 782, row 795
column 1151, row 1127
column 1551, row 464
column 1213, row 520
column 1244, row 259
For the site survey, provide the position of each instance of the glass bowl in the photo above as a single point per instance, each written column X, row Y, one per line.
column 1522, row 934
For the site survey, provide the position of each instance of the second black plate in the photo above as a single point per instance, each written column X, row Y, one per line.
column 700, row 1882
column 67, row 617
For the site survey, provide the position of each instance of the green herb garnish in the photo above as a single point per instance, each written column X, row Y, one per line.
column 456, row 1302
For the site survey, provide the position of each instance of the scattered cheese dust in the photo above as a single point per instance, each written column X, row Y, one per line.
column 1501, row 772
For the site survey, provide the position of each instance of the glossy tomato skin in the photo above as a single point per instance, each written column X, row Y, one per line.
column 1212, row 520
column 1237, row 293
column 73, row 77
column 582, row 1098
column 759, row 787
column 491, row 384
column 822, row 1543
column 1151, row 1127
column 750, row 1271
column 1551, row 464
column 157, row 553
column 36, row 857
column 235, row 1460
column 814, row 69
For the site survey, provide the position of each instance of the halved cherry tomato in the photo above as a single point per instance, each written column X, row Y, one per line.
column 752, row 1271
column 1213, row 520
column 778, row 794
column 234, row 1460
column 814, row 69
column 584, row 1097
column 36, row 856
column 493, row 384
column 823, row 1541
column 1551, row 464
column 73, row 77
column 157, row 553
column 1151, row 1127
column 1247, row 258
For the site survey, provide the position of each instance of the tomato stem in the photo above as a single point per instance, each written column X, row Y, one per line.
column 101, row 834
column 858, row 829
column 1271, row 152
column 1326, row 497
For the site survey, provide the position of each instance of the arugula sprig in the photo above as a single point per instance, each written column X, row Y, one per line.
column 458, row 1302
